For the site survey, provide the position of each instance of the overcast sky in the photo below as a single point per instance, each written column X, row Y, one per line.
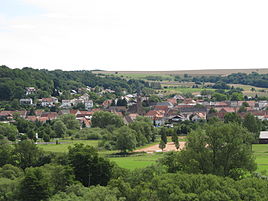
column 134, row 34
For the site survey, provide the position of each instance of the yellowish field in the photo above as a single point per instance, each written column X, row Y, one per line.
column 182, row 72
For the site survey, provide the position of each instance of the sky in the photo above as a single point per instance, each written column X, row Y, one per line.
column 134, row 35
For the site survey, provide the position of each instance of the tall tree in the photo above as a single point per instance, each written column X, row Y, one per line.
column 125, row 139
column 34, row 186
column 89, row 168
column 104, row 119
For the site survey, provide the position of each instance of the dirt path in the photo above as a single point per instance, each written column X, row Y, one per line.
column 155, row 148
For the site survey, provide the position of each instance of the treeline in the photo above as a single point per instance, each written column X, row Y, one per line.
column 14, row 81
column 254, row 79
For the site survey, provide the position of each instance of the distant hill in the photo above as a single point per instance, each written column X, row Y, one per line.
column 189, row 72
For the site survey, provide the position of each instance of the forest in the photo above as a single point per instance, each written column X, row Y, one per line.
column 49, row 83
column 253, row 79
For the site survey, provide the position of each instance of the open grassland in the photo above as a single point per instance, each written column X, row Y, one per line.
column 182, row 72
column 64, row 144
column 142, row 160
column 136, row 161
column 261, row 154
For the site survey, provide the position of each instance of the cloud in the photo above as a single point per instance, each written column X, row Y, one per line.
column 137, row 35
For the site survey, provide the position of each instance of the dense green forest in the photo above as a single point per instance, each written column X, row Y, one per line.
column 49, row 83
column 253, row 79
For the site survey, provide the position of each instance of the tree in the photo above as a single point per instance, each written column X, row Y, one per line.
column 89, row 168
column 144, row 128
column 31, row 134
column 162, row 145
column 219, row 97
column 237, row 96
column 175, row 139
column 104, row 119
column 27, row 154
column 59, row 128
column 232, row 117
column 34, row 186
column 220, row 149
column 163, row 135
column 8, row 130
column 125, row 139
column 251, row 123
column 6, row 154
column 46, row 138
column 70, row 121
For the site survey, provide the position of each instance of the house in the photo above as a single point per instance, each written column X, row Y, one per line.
column 157, row 117
column 198, row 116
column 85, row 123
column 88, row 104
column 9, row 115
column 30, row 90
column 177, row 118
column 161, row 107
column 38, row 112
column 6, row 115
column 179, row 97
column 117, row 108
column 158, row 121
column 263, row 138
column 50, row 115
column 75, row 112
column 48, row 102
column 130, row 118
column 107, row 103
column 62, row 112
column 26, row 101
column 84, row 97
column 168, row 104
column 66, row 103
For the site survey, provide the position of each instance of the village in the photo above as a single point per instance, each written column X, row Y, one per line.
column 166, row 112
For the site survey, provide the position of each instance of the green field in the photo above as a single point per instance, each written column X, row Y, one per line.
column 143, row 160
column 261, row 153
column 139, row 161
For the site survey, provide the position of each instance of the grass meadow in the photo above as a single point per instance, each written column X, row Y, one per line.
column 261, row 154
column 138, row 160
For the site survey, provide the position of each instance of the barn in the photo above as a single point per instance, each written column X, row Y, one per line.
column 263, row 138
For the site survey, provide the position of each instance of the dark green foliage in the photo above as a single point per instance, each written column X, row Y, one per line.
column 162, row 145
column 125, row 139
column 89, row 168
column 14, row 81
column 70, row 121
column 34, row 186
column 254, row 79
column 221, row 149
column 27, row 154
column 252, row 124
column 163, row 134
column 59, row 128
column 232, row 117
column 6, row 154
column 104, row 119
column 8, row 130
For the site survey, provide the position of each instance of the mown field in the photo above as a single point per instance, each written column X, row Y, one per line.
column 261, row 154
column 142, row 160
column 182, row 72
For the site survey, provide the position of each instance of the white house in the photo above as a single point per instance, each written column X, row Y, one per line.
column 48, row 102
column 30, row 90
column 26, row 101
column 88, row 104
